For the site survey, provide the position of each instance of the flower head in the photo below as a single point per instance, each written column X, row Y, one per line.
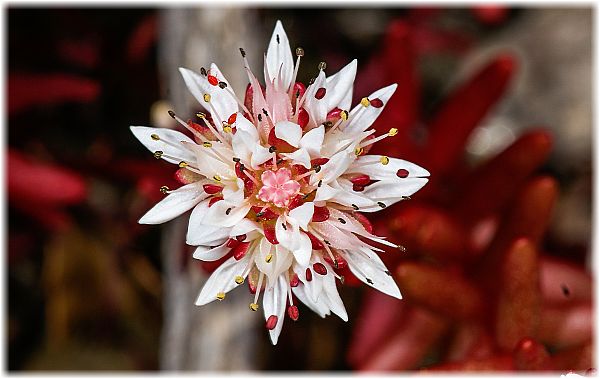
column 276, row 183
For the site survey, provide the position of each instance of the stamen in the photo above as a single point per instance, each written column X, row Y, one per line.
column 269, row 258
column 185, row 125
column 237, row 99
column 365, row 102
column 164, row 190
column 258, row 287
column 251, row 177
column 391, row 133
column 239, row 279
column 309, row 173
column 384, row 160
column 253, row 307
column 322, row 66
column 210, row 126
column 221, row 296
column 299, row 54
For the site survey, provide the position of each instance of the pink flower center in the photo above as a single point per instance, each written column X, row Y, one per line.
column 278, row 187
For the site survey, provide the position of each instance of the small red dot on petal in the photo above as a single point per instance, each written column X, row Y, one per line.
column 377, row 103
column 271, row 322
column 402, row 173
column 320, row 268
column 232, row 118
column 320, row 93
column 308, row 274
column 213, row 80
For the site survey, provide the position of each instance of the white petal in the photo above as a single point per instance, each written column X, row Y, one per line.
column 177, row 202
column 274, row 301
column 299, row 156
column 222, row 280
column 339, row 87
column 279, row 57
column 336, row 166
column 233, row 192
column 361, row 118
column 295, row 241
column 372, row 268
column 223, row 213
column 325, row 192
column 333, row 300
column 350, row 198
column 303, row 251
column 371, row 165
column 263, row 250
column 316, row 306
column 168, row 138
column 336, row 237
column 222, row 103
column 316, row 108
column 199, row 233
column 394, row 190
column 243, row 226
column 313, row 140
column 207, row 254
column 259, row 156
column 289, row 132
column 303, row 214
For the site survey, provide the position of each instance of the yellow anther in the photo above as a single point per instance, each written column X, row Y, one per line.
column 392, row 132
column 217, row 178
column 365, row 102
column 200, row 115
column 164, row 189
column 253, row 307
column 269, row 258
column 220, row 296
column 158, row 154
column 344, row 115
column 207, row 144
column 227, row 129
column 206, row 97
column 384, row 160
column 155, row 137
column 183, row 164
column 358, row 151
column 239, row 279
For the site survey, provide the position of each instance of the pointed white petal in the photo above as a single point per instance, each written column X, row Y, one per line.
column 177, row 202
column 233, row 192
column 260, row 155
column 362, row 118
column 244, row 226
column 339, row 87
column 394, row 190
column 303, row 214
column 199, row 233
column 316, row 108
column 274, row 301
column 371, row 165
column 289, row 132
column 325, row 192
column 336, row 166
column 208, row 254
column 167, row 138
column 223, row 213
column 222, row 103
column 279, row 57
column 313, row 140
column 300, row 157
column 333, row 300
column 222, row 280
column 318, row 307
column 371, row 271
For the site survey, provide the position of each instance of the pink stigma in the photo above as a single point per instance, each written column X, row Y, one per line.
column 278, row 187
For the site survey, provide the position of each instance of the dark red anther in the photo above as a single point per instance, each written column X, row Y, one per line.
column 294, row 281
column 320, row 268
column 320, row 214
column 266, row 214
column 211, row 189
column 293, row 312
column 361, row 179
column 320, row 93
column 239, row 172
column 214, row 199
column 377, row 103
column 241, row 237
column 319, row 161
column 213, row 80
column 240, row 250
column 334, row 114
column 270, row 234
column 358, row 188
column 299, row 89
column 303, row 117
column 339, row 263
column 271, row 322
column 364, row 221
column 232, row 118
column 308, row 275
column 296, row 202
column 232, row 243
column 316, row 244
column 402, row 173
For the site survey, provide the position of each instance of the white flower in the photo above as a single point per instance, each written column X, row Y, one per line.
column 275, row 183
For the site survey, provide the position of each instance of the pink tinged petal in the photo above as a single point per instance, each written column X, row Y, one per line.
column 168, row 139
column 223, row 279
column 361, row 119
column 176, row 203
column 269, row 179
column 274, row 301
column 312, row 141
column 208, row 254
column 372, row 271
column 290, row 187
column 199, row 233
column 279, row 57
column 282, row 176
column 289, row 132
column 279, row 198
column 339, row 87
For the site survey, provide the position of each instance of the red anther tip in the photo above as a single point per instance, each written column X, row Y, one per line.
column 294, row 281
column 303, row 118
column 402, row 173
column 308, row 274
column 361, row 180
column 377, row 103
column 293, row 312
column 320, row 268
column 213, row 80
column 232, row 118
column 320, row 93
column 211, row 189
column 271, row 322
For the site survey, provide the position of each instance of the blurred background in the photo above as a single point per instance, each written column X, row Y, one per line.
column 495, row 101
